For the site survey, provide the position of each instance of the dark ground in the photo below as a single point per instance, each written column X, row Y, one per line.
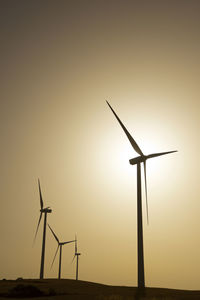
column 54, row 289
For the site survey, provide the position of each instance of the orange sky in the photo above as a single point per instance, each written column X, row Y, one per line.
column 60, row 61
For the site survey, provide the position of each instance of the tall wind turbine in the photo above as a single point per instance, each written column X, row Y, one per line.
column 76, row 254
column 59, row 246
column 137, row 161
column 44, row 211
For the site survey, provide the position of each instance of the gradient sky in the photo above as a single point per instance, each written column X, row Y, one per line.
column 60, row 60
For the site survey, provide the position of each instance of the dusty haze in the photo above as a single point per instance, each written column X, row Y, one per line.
column 60, row 61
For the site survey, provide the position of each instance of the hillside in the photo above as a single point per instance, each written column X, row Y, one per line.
column 70, row 289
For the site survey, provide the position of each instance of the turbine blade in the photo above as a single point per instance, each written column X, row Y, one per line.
column 145, row 180
column 75, row 244
column 159, row 154
column 131, row 139
column 53, row 234
column 55, row 256
column 40, row 217
column 68, row 242
column 41, row 201
column 73, row 258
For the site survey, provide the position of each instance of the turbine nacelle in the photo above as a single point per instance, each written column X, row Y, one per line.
column 46, row 210
column 138, row 159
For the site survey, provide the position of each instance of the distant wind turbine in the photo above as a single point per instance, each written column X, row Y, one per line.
column 76, row 254
column 59, row 246
column 45, row 210
column 137, row 161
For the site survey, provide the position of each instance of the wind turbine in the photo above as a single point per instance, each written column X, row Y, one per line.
column 76, row 254
column 44, row 211
column 59, row 245
column 137, row 161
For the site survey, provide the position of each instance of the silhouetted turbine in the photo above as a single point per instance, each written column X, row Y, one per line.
column 138, row 160
column 45, row 210
column 60, row 256
column 76, row 254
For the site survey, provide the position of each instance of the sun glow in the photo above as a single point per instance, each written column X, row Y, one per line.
column 119, row 171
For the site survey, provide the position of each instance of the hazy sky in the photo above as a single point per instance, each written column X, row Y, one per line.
column 60, row 60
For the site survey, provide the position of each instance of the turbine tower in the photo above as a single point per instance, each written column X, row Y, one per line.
column 59, row 246
column 44, row 211
column 137, row 161
column 76, row 254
